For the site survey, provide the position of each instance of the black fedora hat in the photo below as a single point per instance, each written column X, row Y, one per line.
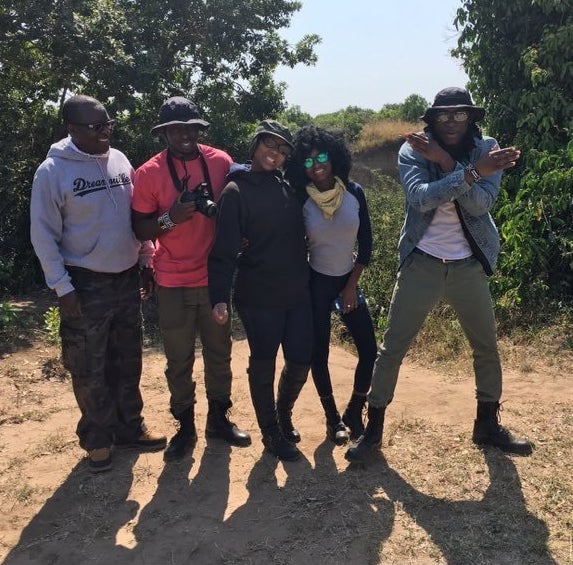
column 454, row 98
column 179, row 110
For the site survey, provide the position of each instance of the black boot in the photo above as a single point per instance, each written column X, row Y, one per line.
column 488, row 431
column 261, row 385
column 219, row 426
column 372, row 437
column 186, row 437
column 352, row 416
column 276, row 444
column 335, row 429
column 293, row 377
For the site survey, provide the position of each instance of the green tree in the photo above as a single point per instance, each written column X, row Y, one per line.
column 413, row 107
column 519, row 58
column 350, row 120
column 131, row 56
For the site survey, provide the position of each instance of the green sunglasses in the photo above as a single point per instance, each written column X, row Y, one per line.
column 310, row 161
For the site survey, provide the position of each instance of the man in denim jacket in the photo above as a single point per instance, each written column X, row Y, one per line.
column 448, row 246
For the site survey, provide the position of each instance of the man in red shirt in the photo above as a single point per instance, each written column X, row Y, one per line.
column 174, row 204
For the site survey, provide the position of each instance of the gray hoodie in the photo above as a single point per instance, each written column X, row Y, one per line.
column 81, row 214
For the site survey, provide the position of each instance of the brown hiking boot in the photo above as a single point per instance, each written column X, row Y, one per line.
column 99, row 460
column 147, row 441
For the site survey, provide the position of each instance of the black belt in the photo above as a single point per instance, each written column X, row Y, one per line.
column 420, row 252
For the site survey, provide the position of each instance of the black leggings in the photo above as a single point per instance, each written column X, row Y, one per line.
column 324, row 289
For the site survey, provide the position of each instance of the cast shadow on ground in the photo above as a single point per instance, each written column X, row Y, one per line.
column 498, row 528
column 81, row 519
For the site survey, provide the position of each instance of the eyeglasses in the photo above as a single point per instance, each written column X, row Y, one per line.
column 97, row 127
column 443, row 117
column 272, row 143
column 320, row 158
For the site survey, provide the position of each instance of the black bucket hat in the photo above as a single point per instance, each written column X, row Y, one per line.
column 178, row 110
column 454, row 98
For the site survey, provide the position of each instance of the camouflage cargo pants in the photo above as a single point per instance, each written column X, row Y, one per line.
column 102, row 351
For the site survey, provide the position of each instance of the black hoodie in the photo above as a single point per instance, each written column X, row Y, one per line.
column 271, row 265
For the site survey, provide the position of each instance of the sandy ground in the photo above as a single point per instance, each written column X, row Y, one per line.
column 239, row 505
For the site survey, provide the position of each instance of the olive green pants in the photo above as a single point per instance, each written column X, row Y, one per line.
column 184, row 314
column 422, row 282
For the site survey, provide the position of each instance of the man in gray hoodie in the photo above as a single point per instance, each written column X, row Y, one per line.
column 81, row 233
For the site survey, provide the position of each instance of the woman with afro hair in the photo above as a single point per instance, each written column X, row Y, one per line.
column 336, row 221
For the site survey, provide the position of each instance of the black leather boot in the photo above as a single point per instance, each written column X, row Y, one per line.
column 186, row 437
column 372, row 437
column 335, row 429
column 293, row 377
column 219, row 426
column 276, row 444
column 352, row 416
column 489, row 431
column 261, row 385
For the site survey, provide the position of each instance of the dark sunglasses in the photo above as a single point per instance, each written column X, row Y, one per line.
column 443, row 117
column 97, row 127
column 273, row 143
column 320, row 158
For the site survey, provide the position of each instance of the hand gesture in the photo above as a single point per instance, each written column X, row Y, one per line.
column 497, row 160
column 431, row 150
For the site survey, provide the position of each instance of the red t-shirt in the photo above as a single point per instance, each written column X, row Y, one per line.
column 181, row 254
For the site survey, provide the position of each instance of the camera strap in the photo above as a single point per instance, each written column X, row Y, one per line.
column 181, row 184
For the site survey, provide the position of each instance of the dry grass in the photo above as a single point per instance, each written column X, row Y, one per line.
column 376, row 134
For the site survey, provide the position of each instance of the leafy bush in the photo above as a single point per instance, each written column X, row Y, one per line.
column 385, row 204
column 52, row 324
column 8, row 316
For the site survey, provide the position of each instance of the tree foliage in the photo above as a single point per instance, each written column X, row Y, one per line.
column 350, row 120
column 519, row 58
column 131, row 56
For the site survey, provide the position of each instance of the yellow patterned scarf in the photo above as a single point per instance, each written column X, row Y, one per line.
column 328, row 201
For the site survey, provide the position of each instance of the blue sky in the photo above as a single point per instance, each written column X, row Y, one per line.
column 373, row 52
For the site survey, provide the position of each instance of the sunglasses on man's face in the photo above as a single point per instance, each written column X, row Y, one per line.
column 273, row 143
column 443, row 117
column 97, row 127
column 320, row 158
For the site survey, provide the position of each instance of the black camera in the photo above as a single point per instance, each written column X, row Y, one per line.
column 200, row 196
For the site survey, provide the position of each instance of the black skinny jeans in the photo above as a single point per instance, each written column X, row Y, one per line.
column 269, row 328
column 324, row 289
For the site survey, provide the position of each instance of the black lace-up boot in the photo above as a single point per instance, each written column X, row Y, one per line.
column 489, row 431
column 372, row 437
column 186, row 437
column 219, row 425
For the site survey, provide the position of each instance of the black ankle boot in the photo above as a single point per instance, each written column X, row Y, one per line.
column 276, row 444
column 335, row 429
column 372, row 437
column 219, row 426
column 489, row 431
column 185, row 438
column 293, row 377
column 352, row 416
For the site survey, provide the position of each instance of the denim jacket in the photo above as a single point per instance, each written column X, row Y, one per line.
column 426, row 187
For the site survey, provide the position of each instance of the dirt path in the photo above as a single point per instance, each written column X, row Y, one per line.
column 431, row 498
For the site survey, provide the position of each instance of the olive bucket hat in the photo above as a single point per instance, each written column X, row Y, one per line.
column 451, row 99
column 271, row 127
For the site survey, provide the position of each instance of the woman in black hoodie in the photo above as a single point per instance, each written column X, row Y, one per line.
column 260, row 235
